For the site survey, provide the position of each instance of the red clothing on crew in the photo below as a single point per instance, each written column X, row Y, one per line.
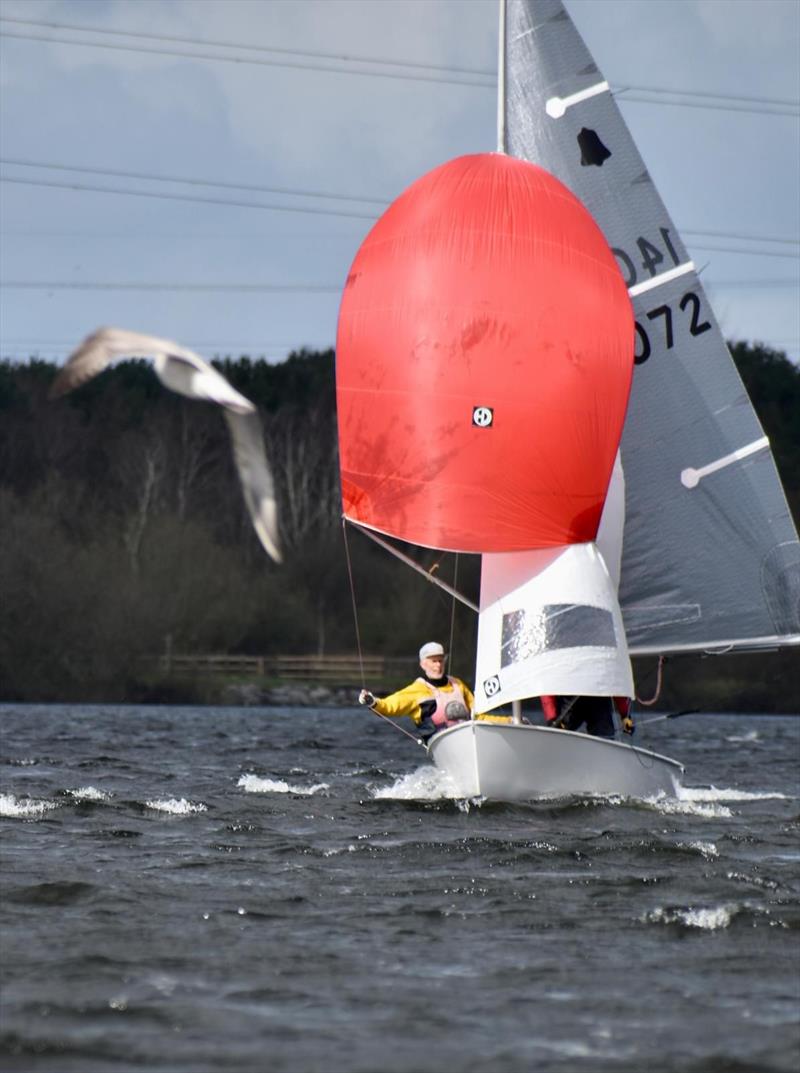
column 550, row 706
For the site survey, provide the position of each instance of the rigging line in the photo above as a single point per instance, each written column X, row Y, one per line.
column 191, row 181
column 385, row 718
column 662, row 659
column 353, row 601
column 188, row 197
column 473, row 72
column 414, row 565
column 453, row 610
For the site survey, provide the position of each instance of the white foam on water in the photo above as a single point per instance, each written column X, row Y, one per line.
column 335, row 852
column 716, row 794
column 427, row 783
column 751, row 735
column 254, row 784
column 88, row 793
column 25, row 808
column 707, row 919
column 706, row 849
column 669, row 806
column 177, row 806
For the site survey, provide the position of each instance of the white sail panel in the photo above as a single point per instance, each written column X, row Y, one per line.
column 549, row 623
column 611, row 532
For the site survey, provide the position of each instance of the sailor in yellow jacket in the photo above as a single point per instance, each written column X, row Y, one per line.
column 434, row 701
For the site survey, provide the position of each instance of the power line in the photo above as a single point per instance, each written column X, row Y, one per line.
column 187, row 197
column 745, row 250
column 326, row 195
column 193, row 181
column 276, row 50
column 105, row 285
column 479, row 78
column 32, row 340
column 319, row 211
column 745, row 238
column 751, row 109
column 780, row 101
column 251, row 61
column 276, row 288
column 775, row 283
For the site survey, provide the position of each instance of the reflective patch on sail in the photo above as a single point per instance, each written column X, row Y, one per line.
column 528, row 633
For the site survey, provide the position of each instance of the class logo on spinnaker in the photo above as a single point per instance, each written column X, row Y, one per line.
column 482, row 416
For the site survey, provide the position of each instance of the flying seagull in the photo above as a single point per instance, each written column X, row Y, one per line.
column 185, row 372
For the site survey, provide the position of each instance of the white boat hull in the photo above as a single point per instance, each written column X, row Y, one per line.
column 509, row 762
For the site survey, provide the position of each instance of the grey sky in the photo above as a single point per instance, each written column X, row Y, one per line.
column 206, row 266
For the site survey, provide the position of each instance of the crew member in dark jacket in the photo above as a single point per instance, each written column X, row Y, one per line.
column 570, row 713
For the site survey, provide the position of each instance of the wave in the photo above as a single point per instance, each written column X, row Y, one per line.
column 25, row 808
column 177, row 806
column 60, row 892
column 709, row 918
column 710, row 802
column 255, row 784
column 712, row 793
column 427, row 783
column 705, row 849
column 669, row 806
column 88, row 793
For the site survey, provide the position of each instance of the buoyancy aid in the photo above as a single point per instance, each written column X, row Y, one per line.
column 451, row 706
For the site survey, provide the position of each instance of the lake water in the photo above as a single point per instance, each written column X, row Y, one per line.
column 201, row 890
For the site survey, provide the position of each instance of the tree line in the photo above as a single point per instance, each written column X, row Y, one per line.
column 123, row 534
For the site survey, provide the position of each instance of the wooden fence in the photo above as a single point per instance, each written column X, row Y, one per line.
column 327, row 670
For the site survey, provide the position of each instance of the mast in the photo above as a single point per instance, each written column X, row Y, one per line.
column 516, row 705
column 501, row 80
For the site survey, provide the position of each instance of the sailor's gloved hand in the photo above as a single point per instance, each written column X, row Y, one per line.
column 365, row 697
column 628, row 726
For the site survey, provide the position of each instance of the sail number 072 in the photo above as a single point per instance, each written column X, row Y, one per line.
column 689, row 306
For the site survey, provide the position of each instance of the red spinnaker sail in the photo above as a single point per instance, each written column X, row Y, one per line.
column 483, row 363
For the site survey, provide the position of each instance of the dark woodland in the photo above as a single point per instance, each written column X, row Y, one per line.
column 123, row 536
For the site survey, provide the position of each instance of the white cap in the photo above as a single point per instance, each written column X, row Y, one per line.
column 432, row 648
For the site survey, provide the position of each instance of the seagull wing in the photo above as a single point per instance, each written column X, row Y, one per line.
column 258, row 485
column 178, row 369
column 188, row 374
column 100, row 349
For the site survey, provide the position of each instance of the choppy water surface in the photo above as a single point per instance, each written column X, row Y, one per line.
column 202, row 890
